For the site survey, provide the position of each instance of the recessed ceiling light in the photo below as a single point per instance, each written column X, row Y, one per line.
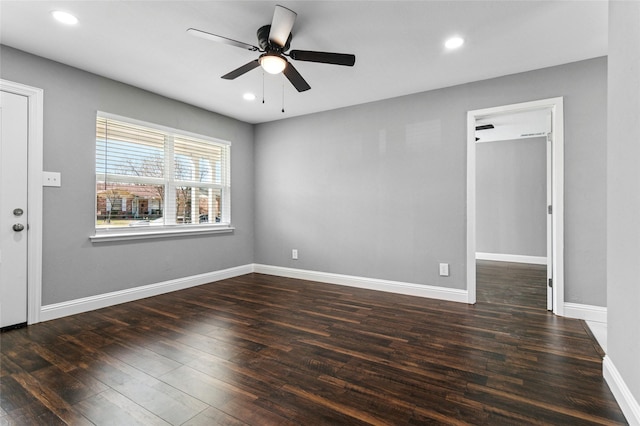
column 249, row 97
column 454, row 42
column 64, row 17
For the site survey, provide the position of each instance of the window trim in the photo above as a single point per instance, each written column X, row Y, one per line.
column 166, row 230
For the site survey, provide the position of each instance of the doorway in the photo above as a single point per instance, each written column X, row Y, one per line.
column 21, row 203
column 551, row 135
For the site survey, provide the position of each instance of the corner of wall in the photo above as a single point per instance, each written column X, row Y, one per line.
column 628, row 404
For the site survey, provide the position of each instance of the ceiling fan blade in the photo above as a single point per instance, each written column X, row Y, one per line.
column 281, row 25
column 242, row 70
column 295, row 78
column 208, row 36
column 323, row 57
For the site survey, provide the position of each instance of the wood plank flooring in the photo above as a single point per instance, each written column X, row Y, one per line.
column 264, row 350
column 513, row 284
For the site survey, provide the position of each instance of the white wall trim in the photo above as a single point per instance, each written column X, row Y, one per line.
column 517, row 258
column 34, row 197
column 420, row 290
column 585, row 312
column 85, row 304
column 628, row 404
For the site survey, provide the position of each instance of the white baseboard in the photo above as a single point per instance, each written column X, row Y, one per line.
column 585, row 312
column 628, row 404
column 85, row 304
column 517, row 258
column 421, row 290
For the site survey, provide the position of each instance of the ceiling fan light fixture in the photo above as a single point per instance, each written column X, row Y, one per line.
column 273, row 63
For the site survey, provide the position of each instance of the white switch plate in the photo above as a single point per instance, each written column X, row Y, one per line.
column 444, row 269
column 50, row 179
column 294, row 254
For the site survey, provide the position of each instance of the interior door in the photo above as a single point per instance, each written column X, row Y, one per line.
column 13, row 208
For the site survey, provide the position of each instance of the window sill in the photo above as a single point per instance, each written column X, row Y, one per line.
column 166, row 232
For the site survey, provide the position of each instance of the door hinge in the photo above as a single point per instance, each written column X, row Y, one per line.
column 551, row 282
column 550, row 209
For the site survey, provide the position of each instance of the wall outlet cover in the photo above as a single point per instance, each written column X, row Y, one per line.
column 444, row 269
column 51, row 179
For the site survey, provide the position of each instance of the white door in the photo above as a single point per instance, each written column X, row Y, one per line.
column 13, row 208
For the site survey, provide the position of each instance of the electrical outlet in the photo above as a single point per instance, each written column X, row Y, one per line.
column 294, row 254
column 50, row 179
column 444, row 269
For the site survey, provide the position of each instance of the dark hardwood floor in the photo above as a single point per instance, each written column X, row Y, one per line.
column 513, row 284
column 264, row 350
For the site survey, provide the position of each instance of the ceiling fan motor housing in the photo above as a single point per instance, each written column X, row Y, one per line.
column 263, row 41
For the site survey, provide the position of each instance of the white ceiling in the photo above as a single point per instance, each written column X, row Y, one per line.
column 398, row 45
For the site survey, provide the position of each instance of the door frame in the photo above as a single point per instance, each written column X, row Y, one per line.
column 35, row 138
column 556, row 106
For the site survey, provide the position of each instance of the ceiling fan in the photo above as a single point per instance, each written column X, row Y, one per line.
column 273, row 42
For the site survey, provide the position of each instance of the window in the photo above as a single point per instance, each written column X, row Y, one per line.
column 151, row 178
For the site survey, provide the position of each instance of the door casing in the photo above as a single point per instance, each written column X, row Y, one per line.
column 34, row 196
column 557, row 193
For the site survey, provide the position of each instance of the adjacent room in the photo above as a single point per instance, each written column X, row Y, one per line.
column 319, row 212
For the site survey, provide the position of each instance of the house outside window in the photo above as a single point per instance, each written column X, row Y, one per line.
column 150, row 176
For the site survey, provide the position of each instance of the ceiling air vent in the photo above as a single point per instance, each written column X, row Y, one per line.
column 485, row 127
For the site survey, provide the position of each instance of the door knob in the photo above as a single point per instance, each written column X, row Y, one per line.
column 18, row 227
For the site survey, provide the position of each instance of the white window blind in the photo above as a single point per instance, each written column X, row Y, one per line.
column 149, row 175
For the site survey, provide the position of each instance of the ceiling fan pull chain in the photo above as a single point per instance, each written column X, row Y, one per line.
column 283, row 96
column 263, row 86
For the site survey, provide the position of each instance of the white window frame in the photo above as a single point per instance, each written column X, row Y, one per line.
column 170, row 227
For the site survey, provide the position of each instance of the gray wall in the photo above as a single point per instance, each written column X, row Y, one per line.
column 73, row 267
column 379, row 190
column 376, row 190
column 623, row 243
column 511, row 197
